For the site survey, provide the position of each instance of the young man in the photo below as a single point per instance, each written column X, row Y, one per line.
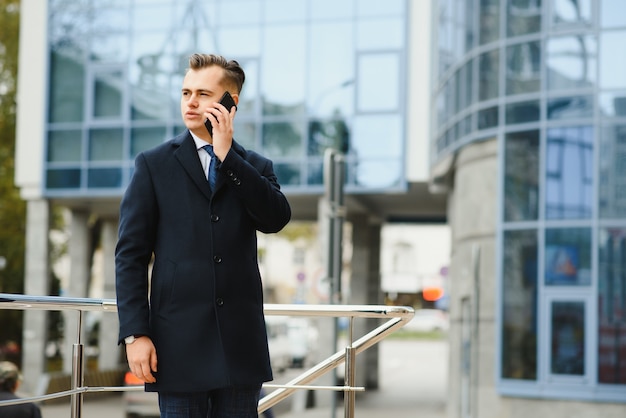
column 9, row 383
column 199, row 340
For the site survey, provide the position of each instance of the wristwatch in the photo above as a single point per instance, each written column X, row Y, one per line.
column 129, row 340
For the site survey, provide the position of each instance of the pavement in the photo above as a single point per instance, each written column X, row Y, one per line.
column 413, row 383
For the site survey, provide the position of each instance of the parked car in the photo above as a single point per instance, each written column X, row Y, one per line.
column 428, row 320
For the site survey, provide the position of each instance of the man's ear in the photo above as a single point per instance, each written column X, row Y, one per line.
column 235, row 98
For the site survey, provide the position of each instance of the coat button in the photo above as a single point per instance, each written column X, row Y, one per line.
column 237, row 182
column 217, row 259
column 219, row 301
column 215, row 218
column 230, row 173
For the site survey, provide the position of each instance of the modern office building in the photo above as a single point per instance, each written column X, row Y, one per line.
column 528, row 137
column 99, row 82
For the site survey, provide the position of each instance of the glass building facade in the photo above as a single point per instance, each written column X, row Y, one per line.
column 546, row 80
column 320, row 73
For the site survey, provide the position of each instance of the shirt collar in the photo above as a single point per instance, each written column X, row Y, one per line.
column 199, row 142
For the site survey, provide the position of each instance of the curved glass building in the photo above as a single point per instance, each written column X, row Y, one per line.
column 528, row 139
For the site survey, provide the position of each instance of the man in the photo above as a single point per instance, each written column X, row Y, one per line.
column 9, row 383
column 200, row 338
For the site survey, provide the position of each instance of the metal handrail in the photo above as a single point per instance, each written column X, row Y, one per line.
column 397, row 316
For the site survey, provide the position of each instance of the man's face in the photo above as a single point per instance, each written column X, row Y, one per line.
column 200, row 89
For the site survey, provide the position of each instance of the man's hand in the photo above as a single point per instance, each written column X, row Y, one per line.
column 222, row 121
column 142, row 359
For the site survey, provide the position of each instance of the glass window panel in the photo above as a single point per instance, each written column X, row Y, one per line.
column 104, row 177
column 488, row 118
column 245, row 134
column 377, row 8
column 110, row 20
column 612, row 306
column 612, row 63
column 463, row 98
column 231, row 11
column 195, row 14
column 569, row 172
column 568, row 338
column 445, row 37
column 368, row 131
column 159, row 17
column 612, row 13
column 466, row 125
column 315, row 174
column 380, row 34
column 282, row 139
column 522, row 112
column 489, row 21
column 612, row 171
column 571, row 12
column 142, row 139
column 378, row 173
column 521, row 176
column 66, row 178
column 372, row 68
column 333, row 134
column 331, row 88
column 110, row 48
column 489, row 74
column 106, row 144
column 612, row 104
column 523, row 72
column 283, row 86
column 470, row 24
column 523, row 16
column 107, row 96
column 519, row 305
column 331, row 9
column 576, row 107
column 571, row 62
column 67, row 77
column 284, row 11
column 288, row 174
column 65, row 146
column 568, row 257
column 240, row 42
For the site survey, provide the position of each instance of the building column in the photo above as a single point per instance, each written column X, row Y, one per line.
column 36, row 283
column 109, row 355
column 365, row 289
column 80, row 272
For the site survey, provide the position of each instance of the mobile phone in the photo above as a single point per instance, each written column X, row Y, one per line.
column 228, row 102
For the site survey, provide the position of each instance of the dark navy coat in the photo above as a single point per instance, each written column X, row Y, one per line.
column 205, row 312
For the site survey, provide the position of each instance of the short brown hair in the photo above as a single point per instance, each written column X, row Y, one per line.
column 233, row 73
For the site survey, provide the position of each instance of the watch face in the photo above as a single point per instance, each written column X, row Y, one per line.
column 129, row 340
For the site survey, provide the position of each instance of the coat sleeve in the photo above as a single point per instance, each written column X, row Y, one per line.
column 138, row 219
column 256, row 184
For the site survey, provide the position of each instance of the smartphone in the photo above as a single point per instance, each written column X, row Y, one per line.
column 228, row 102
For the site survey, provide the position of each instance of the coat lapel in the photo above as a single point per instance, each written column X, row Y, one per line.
column 187, row 155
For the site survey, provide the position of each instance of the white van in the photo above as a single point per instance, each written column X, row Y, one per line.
column 278, row 341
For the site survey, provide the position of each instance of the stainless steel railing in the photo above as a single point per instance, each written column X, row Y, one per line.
column 396, row 317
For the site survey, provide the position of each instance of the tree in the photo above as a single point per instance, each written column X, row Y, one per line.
column 12, row 207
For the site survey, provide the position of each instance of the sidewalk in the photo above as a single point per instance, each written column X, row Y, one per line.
column 413, row 383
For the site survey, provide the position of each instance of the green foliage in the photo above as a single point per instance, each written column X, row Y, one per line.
column 12, row 207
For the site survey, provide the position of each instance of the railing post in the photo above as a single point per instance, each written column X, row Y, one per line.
column 78, row 371
column 349, row 402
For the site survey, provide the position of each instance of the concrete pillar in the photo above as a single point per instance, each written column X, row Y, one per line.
column 36, row 283
column 109, row 355
column 80, row 269
column 365, row 289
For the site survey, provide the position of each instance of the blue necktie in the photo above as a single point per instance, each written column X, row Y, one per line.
column 212, row 177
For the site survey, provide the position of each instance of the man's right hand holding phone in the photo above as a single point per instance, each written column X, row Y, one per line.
column 219, row 123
